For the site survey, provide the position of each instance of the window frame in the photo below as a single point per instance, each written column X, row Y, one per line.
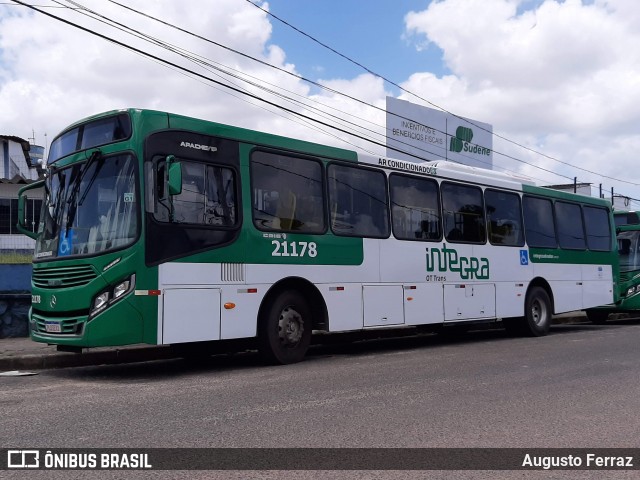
column 585, row 223
column 433, row 181
column 525, row 197
column 558, row 223
column 443, row 185
column 161, row 159
column 521, row 218
column 364, row 168
column 323, row 190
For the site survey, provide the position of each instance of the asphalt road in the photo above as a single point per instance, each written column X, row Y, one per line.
column 577, row 387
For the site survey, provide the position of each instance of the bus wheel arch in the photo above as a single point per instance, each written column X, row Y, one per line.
column 290, row 310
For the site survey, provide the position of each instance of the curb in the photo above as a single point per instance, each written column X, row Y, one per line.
column 62, row 359
column 133, row 354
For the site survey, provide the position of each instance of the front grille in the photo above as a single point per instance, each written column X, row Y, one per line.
column 63, row 277
column 71, row 326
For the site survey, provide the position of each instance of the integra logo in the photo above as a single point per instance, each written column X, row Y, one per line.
column 447, row 260
column 197, row 146
column 462, row 141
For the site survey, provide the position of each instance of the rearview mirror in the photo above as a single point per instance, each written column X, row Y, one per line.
column 174, row 175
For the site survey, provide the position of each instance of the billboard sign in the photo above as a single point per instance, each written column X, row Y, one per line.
column 422, row 132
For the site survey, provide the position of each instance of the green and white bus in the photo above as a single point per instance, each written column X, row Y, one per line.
column 628, row 281
column 163, row 229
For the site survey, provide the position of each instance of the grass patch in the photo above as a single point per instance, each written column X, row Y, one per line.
column 15, row 258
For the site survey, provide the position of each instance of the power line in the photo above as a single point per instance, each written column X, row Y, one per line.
column 324, row 87
column 429, row 102
column 203, row 61
column 235, row 89
column 190, row 56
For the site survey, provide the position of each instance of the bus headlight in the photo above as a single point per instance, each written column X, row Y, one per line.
column 631, row 291
column 101, row 301
column 121, row 289
column 113, row 294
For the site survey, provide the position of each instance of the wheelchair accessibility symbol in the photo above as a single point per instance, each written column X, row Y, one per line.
column 524, row 257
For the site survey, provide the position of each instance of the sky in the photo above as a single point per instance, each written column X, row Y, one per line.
column 558, row 80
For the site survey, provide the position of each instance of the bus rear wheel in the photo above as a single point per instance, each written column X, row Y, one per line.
column 284, row 329
column 537, row 314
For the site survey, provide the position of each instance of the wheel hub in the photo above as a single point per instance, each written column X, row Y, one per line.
column 290, row 326
column 538, row 312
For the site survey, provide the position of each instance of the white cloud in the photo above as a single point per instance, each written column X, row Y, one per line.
column 559, row 77
column 544, row 71
column 52, row 74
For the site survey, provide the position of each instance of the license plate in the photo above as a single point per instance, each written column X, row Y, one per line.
column 53, row 327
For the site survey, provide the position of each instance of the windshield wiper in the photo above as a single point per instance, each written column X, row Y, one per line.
column 52, row 217
column 73, row 204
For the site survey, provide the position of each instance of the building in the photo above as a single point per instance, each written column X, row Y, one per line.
column 19, row 165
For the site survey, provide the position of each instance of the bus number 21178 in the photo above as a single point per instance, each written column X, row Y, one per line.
column 294, row 249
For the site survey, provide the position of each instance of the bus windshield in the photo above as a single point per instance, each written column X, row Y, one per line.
column 89, row 208
column 629, row 250
column 91, row 134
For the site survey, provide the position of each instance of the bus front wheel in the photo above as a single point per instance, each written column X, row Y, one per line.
column 284, row 330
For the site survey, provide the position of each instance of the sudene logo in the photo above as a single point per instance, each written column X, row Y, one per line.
column 462, row 141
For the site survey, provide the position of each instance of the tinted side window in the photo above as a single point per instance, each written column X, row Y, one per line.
column 415, row 208
column 504, row 218
column 539, row 227
column 596, row 221
column 208, row 196
column 570, row 227
column 287, row 193
column 358, row 202
column 463, row 213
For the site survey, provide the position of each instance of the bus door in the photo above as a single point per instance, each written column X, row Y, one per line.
column 190, row 315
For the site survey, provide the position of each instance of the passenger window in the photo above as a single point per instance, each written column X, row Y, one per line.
column 596, row 221
column 415, row 208
column 358, row 202
column 504, row 218
column 463, row 213
column 570, row 226
column 287, row 193
column 539, row 227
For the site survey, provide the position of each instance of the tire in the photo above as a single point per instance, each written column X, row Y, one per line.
column 284, row 329
column 513, row 326
column 537, row 313
column 598, row 317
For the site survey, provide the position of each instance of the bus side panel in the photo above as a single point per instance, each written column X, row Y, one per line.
column 239, row 312
column 597, row 285
column 190, row 315
column 510, row 298
column 404, row 262
column 424, row 304
column 511, row 272
column 566, row 285
column 344, row 306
